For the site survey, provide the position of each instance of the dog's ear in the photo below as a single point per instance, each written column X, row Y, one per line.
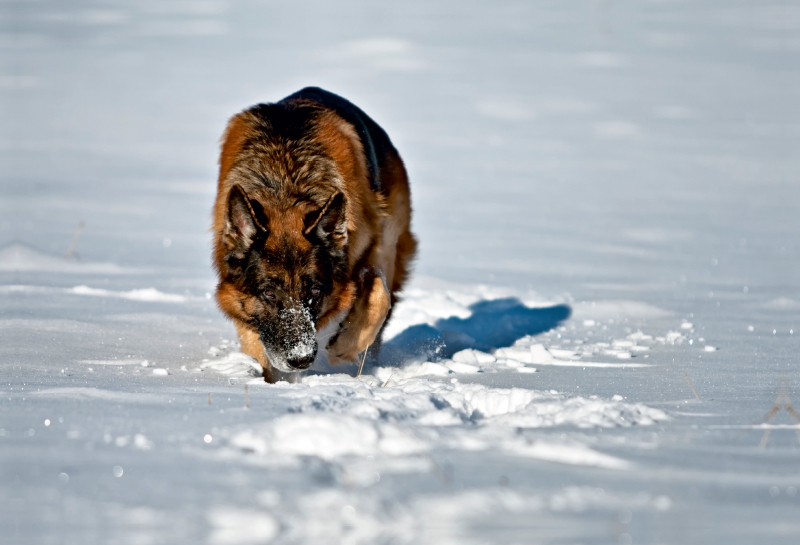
column 330, row 221
column 246, row 219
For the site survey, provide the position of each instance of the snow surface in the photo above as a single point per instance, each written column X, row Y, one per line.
column 599, row 343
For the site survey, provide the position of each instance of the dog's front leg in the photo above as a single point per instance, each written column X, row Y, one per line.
column 251, row 345
column 363, row 323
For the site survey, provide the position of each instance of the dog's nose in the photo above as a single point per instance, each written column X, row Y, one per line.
column 301, row 363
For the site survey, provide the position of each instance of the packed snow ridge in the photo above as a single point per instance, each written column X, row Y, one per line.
column 337, row 416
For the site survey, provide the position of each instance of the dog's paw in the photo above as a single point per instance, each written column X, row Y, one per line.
column 341, row 351
column 336, row 360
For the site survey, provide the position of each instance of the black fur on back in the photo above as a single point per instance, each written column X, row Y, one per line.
column 374, row 139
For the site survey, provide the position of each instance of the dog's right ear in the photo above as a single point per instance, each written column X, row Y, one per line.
column 245, row 219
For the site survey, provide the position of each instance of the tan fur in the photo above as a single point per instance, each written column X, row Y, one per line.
column 379, row 244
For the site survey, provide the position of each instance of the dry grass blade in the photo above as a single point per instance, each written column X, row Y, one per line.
column 796, row 417
column 74, row 242
column 387, row 381
column 782, row 402
column 769, row 418
column 246, row 398
column 363, row 359
column 691, row 385
column 767, row 431
column 771, row 414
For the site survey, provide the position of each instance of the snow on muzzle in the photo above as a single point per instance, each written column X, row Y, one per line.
column 290, row 340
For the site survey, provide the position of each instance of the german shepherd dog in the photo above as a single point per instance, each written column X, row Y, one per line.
column 312, row 237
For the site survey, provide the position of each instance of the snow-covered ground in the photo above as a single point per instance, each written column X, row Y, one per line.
column 600, row 341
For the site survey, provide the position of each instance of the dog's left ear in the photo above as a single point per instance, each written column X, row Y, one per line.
column 330, row 221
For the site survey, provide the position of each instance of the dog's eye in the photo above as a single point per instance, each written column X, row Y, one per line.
column 314, row 291
column 269, row 294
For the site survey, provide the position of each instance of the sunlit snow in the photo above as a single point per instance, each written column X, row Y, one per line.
column 599, row 340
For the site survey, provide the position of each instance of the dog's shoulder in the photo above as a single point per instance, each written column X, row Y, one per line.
column 374, row 140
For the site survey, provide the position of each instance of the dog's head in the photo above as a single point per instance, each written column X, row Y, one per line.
column 280, row 267
column 284, row 225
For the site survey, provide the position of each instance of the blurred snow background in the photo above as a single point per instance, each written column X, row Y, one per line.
column 607, row 199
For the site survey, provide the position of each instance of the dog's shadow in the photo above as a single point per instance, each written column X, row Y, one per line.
column 493, row 324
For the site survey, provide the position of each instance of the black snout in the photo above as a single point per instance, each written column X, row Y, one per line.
column 303, row 362
column 290, row 338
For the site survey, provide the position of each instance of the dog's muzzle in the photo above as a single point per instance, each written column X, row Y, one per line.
column 291, row 342
column 301, row 363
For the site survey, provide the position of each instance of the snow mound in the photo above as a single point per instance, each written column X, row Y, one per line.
column 326, row 436
column 146, row 294
column 150, row 295
column 528, row 350
column 430, row 301
column 22, row 258
column 335, row 417
column 470, row 329
column 438, row 403
column 234, row 365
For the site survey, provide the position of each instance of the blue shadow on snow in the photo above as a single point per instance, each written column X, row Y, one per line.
column 493, row 324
